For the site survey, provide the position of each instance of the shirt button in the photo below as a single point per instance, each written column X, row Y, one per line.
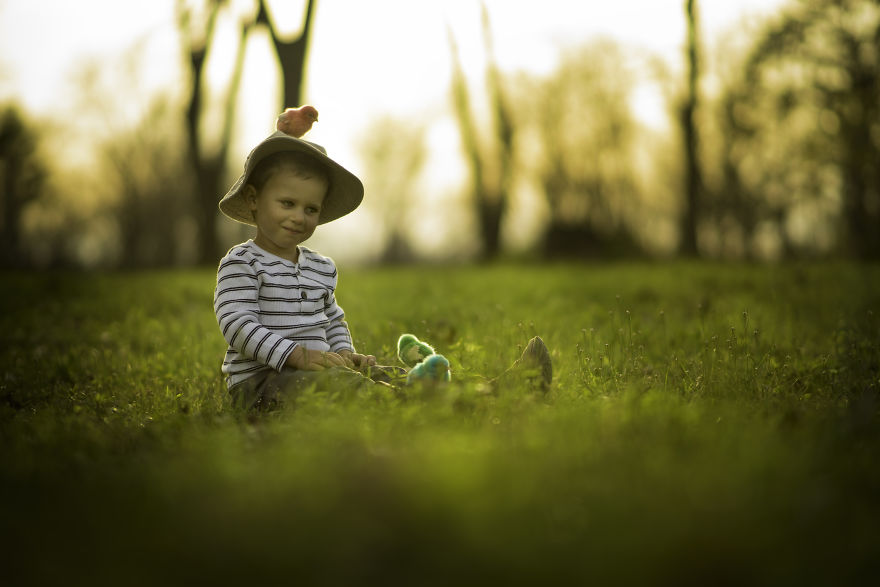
column 303, row 295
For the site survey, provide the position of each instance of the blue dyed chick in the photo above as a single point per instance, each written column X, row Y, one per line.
column 411, row 351
column 434, row 368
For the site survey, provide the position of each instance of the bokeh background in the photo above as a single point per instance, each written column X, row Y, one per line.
column 729, row 129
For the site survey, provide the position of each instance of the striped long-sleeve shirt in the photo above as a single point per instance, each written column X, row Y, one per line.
column 267, row 305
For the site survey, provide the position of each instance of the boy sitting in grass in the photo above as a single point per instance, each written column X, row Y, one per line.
column 275, row 299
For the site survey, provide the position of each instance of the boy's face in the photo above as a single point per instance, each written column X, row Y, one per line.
column 286, row 211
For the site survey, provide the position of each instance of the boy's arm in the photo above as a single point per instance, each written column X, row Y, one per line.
column 339, row 337
column 338, row 334
column 237, row 311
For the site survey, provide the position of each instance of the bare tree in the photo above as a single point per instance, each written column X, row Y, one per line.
column 291, row 53
column 584, row 153
column 693, row 175
column 490, row 184
column 208, row 164
column 841, row 51
column 494, row 203
column 394, row 152
column 22, row 181
column 804, row 122
column 152, row 185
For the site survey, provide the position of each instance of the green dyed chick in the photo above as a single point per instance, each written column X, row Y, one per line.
column 411, row 351
column 434, row 368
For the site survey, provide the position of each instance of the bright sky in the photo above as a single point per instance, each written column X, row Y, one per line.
column 366, row 58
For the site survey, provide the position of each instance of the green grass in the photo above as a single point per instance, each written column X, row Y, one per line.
column 708, row 424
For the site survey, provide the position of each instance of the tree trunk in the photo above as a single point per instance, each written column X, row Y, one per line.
column 291, row 54
column 491, row 212
column 209, row 168
column 22, row 180
column 860, row 168
column 490, row 191
column 693, row 182
column 494, row 203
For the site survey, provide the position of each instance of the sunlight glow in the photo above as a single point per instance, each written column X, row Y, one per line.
column 365, row 59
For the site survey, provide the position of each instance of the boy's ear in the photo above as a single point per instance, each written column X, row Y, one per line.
column 250, row 196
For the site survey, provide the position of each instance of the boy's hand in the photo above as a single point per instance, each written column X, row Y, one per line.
column 309, row 360
column 357, row 360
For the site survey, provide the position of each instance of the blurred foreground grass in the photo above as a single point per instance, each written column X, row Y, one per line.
column 708, row 424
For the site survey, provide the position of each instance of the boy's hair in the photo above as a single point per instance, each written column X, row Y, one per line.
column 301, row 164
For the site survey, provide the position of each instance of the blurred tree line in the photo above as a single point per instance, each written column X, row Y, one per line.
column 779, row 159
column 782, row 160
column 153, row 198
column 800, row 123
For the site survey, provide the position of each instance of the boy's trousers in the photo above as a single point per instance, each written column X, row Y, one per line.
column 270, row 389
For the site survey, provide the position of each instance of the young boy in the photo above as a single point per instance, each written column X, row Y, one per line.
column 275, row 299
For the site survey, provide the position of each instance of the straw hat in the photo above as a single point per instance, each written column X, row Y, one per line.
column 344, row 194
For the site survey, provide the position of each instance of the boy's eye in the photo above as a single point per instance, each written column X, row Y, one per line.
column 312, row 210
column 286, row 203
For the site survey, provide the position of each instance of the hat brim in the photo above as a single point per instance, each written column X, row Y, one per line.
column 344, row 194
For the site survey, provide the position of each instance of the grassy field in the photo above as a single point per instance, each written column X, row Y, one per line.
column 708, row 424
